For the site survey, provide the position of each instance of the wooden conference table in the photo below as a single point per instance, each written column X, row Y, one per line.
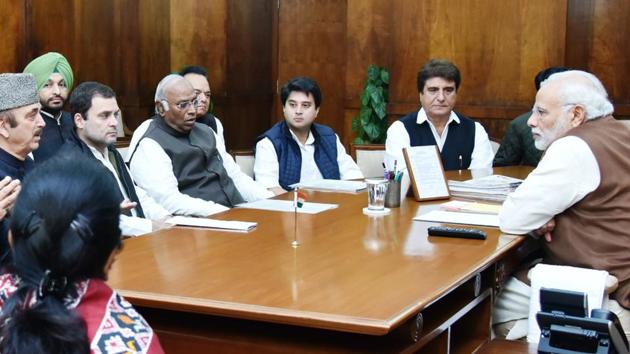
column 355, row 284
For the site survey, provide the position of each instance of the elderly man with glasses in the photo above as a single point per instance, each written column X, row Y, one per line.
column 197, row 76
column 182, row 164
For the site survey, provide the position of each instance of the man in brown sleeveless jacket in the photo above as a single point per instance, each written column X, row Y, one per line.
column 578, row 197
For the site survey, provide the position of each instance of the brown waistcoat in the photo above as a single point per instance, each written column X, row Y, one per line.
column 595, row 232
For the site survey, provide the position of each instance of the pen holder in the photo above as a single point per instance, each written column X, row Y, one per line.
column 392, row 197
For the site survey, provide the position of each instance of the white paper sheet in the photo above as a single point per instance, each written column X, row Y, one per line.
column 287, row 205
column 426, row 168
column 459, row 218
column 333, row 185
column 212, row 223
column 589, row 281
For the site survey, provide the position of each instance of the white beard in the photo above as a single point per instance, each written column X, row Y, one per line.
column 545, row 139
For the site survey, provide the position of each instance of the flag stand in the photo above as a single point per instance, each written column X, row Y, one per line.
column 295, row 243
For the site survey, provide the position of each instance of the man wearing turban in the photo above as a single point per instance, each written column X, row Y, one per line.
column 54, row 79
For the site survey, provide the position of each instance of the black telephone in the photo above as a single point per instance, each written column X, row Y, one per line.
column 566, row 330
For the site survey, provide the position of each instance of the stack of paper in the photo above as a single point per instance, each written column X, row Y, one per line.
column 333, row 185
column 492, row 188
column 212, row 223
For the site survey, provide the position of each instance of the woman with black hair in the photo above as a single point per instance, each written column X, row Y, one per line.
column 64, row 236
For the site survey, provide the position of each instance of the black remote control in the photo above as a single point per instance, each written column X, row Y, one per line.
column 446, row 231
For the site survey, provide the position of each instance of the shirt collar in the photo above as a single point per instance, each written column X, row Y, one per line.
column 161, row 123
column 422, row 117
column 53, row 116
column 100, row 155
column 11, row 160
column 310, row 140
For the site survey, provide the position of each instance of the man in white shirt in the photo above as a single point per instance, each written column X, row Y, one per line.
column 297, row 149
column 96, row 113
column 463, row 143
column 578, row 198
column 181, row 163
column 198, row 78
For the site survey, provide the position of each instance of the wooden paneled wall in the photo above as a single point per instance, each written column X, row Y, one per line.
column 251, row 47
column 498, row 47
column 131, row 45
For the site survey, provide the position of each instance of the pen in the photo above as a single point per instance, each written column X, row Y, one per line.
column 395, row 163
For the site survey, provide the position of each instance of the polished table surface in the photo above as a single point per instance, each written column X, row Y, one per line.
column 351, row 272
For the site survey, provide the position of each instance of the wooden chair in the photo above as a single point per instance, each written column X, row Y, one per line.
column 122, row 145
column 625, row 122
column 245, row 160
column 495, row 145
column 369, row 157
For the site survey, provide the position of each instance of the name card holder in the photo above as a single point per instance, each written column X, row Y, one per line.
column 426, row 172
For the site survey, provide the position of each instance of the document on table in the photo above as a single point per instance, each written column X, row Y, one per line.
column 459, row 218
column 425, row 170
column 334, row 185
column 471, row 207
column 287, row 205
column 212, row 223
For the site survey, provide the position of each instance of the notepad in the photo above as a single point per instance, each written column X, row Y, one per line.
column 471, row 207
column 212, row 223
column 450, row 217
column 287, row 206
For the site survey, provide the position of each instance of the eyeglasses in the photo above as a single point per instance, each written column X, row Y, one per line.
column 184, row 105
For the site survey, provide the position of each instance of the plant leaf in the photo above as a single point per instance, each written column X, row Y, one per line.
column 381, row 109
column 376, row 95
column 359, row 140
column 365, row 98
column 372, row 130
column 370, row 90
column 385, row 76
column 356, row 123
column 365, row 116
column 373, row 72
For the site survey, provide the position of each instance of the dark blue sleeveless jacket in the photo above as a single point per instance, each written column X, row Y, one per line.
column 459, row 142
column 290, row 158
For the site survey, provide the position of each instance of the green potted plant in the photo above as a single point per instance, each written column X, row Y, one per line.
column 371, row 122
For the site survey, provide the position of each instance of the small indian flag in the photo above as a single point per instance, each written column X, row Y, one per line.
column 299, row 198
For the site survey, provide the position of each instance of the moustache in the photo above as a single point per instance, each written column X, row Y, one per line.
column 56, row 97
